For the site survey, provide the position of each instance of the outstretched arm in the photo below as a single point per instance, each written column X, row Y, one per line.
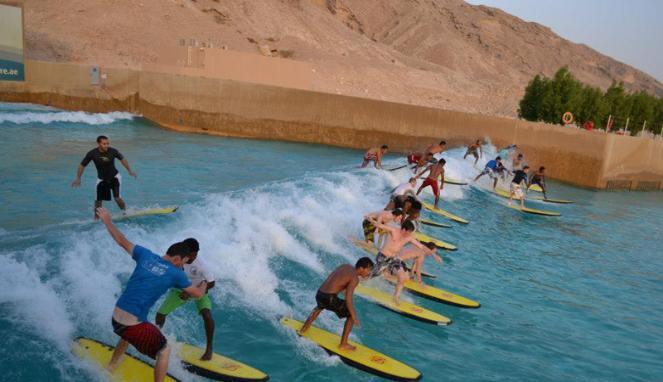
column 125, row 163
column 422, row 172
column 79, row 173
column 114, row 232
column 197, row 291
column 418, row 244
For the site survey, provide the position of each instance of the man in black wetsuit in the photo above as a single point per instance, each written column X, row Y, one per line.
column 539, row 178
column 108, row 178
column 519, row 177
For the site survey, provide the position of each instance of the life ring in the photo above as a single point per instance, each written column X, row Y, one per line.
column 567, row 118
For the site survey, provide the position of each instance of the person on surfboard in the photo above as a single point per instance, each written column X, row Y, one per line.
column 519, row 177
column 419, row 256
column 375, row 154
column 421, row 161
column 108, row 178
column 151, row 278
column 493, row 169
column 475, row 150
column 539, row 178
column 196, row 270
column 518, row 162
column 343, row 279
column 383, row 217
column 435, row 148
column 435, row 171
column 405, row 188
column 387, row 261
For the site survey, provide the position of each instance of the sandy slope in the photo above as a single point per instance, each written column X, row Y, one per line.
column 446, row 54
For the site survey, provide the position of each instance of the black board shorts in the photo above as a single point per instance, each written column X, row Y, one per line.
column 332, row 302
column 106, row 187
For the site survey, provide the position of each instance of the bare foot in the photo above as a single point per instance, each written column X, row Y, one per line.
column 207, row 356
column 397, row 301
column 347, row 347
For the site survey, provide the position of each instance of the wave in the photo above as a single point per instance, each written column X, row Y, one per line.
column 20, row 118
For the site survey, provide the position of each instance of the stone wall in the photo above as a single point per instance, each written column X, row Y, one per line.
column 240, row 109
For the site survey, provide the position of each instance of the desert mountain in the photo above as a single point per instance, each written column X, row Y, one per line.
column 445, row 54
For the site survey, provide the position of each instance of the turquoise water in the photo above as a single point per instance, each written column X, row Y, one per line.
column 578, row 297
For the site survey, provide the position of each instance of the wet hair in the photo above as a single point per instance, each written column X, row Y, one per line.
column 526, row 167
column 498, row 158
column 441, row 161
column 364, row 262
column 520, row 155
column 541, row 168
column 443, row 142
column 179, row 249
column 101, row 138
column 416, row 205
column 193, row 244
column 384, row 147
column 478, row 140
column 411, row 179
column 411, row 199
column 397, row 212
column 407, row 225
column 429, row 245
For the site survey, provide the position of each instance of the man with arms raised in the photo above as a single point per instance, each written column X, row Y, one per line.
column 108, row 178
column 434, row 171
column 196, row 270
column 152, row 277
column 343, row 279
column 388, row 263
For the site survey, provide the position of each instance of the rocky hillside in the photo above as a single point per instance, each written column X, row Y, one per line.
column 446, row 54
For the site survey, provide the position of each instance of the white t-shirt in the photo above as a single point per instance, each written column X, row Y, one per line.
column 404, row 188
column 197, row 272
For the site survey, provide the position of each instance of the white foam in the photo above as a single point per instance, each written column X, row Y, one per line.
column 65, row 116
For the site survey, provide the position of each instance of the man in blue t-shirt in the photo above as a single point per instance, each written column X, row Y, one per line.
column 493, row 168
column 153, row 276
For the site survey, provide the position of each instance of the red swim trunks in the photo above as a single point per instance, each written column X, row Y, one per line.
column 434, row 185
column 145, row 337
column 413, row 158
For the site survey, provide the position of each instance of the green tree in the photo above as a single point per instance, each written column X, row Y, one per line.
column 530, row 104
column 643, row 108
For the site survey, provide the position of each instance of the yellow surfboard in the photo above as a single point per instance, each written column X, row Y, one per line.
column 405, row 308
column 444, row 213
column 362, row 357
column 422, row 237
column 440, row 295
column 434, row 224
column 548, row 200
column 129, row 369
column 152, row 211
column 219, row 368
column 535, row 187
column 374, row 251
column 516, row 206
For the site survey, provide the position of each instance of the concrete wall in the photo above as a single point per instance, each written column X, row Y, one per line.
column 231, row 108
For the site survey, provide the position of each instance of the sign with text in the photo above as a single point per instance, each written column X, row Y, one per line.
column 11, row 43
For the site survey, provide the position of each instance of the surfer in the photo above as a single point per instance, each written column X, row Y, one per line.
column 343, row 279
column 519, row 177
column 539, row 178
column 382, row 217
column 405, row 188
column 375, row 154
column 196, row 270
column 435, row 171
column 434, row 149
column 387, row 261
column 493, row 168
column 418, row 256
column 108, row 178
column 518, row 163
column 151, row 278
column 475, row 150
column 422, row 161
